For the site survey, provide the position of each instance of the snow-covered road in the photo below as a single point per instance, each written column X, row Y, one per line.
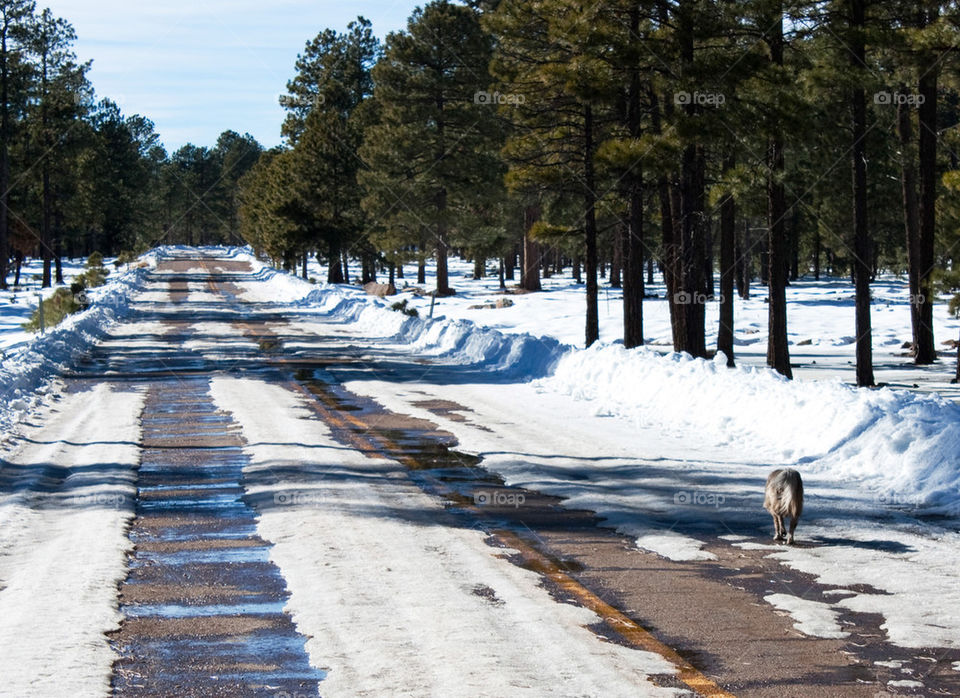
column 395, row 575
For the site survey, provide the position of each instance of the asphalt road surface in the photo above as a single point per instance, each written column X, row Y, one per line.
column 204, row 603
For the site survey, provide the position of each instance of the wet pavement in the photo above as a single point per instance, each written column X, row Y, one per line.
column 202, row 601
column 203, row 604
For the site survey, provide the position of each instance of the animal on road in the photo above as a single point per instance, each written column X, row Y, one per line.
column 784, row 497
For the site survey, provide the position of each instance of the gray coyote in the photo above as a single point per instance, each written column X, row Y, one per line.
column 784, row 497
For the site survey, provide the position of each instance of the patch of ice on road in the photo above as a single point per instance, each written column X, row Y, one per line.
column 915, row 577
column 756, row 546
column 894, row 664
column 905, row 683
column 812, row 618
column 674, row 546
column 838, row 592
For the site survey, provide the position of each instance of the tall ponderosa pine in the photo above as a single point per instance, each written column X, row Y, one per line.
column 930, row 57
column 430, row 147
column 862, row 268
column 54, row 103
column 691, row 42
column 14, row 17
column 618, row 40
column 334, row 79
column 773, row 96
column 560, row 122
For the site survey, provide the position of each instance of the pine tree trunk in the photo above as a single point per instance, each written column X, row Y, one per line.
column 728, row 216
column 861, row 231
column 633, row 289
column 707, row 260
column 741, row 244
column 58, row 261
column 443, row 278
column 346, row 268
column 4, row 163
column 631, row 249
column 778, row 352
column 335, row 268
column 816, row 253
column 925, row 348
column 590, row 228
column 690, row 298
column 671, row 257
column 793, row 239
column 956, row 378
column 4, row 214
column 530, row 278
column 479, row 268
column 778, row 349
column 615, row 266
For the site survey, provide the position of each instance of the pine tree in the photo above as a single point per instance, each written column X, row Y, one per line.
column 550, row 87
column 777, row 109
column 328, row 114
column 430, row 149
column 55, row 66
column 14, row 15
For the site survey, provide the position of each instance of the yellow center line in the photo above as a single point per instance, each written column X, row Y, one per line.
column 616, row 620
column 632, row 632
column 627, row 628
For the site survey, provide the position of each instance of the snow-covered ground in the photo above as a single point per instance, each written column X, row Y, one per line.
column 66, row 501
column 671, row 451
column 821, row 321
column 18, row 303
column 661, row 445
column 29, row 361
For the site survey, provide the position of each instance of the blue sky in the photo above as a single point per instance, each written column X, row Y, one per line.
column 198, row 68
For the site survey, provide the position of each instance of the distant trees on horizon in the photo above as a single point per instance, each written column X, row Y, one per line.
column 78, row 176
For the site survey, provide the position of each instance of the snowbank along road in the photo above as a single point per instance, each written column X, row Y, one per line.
column 235, row 494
